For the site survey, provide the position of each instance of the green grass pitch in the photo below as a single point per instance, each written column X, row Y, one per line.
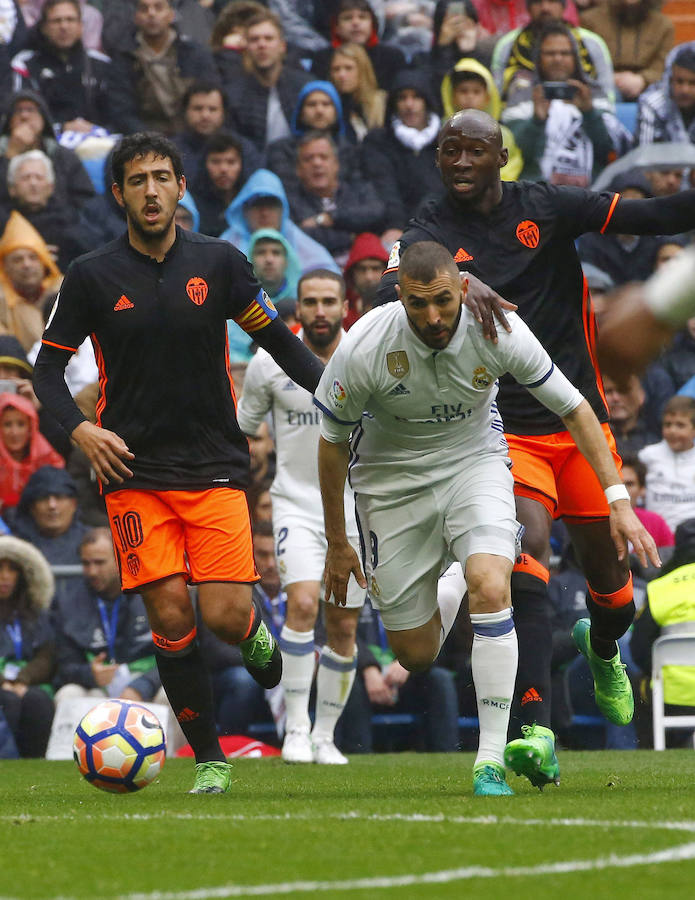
column 622, row 826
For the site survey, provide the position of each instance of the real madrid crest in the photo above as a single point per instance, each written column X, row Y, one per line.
column 397, row 363
column 481, row 378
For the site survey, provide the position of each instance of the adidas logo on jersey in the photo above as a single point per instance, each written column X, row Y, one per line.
column 399, row 391
column 289, row 385
column 462, row 256
column 123, row 303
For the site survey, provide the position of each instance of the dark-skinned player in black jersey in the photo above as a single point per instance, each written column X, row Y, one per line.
column 516, row 241
column 167, row 449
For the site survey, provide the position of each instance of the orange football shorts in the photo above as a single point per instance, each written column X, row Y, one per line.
column 202, row 535
column 550, row 469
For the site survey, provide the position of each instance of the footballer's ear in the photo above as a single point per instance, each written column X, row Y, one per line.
column 398, row 291
column 118, row 194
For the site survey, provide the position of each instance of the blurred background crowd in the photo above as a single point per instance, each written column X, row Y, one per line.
column 308, row 131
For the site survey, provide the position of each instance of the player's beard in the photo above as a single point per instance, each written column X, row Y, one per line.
column 322, row 339
column 633, row 15
column 147, row 235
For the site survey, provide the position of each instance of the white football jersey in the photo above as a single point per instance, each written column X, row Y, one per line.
column 670, row 482
column 296, row 423
column 415, row 413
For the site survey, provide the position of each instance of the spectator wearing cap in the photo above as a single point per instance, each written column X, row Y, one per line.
column 149, row 79
column 638, row 36
column 318, row 108
column 72, row 79
column 29, row 279
column 400, row 157
column 624, row 257
column 263, row 94
column 328, row 208
column 670, row 609
column 262, row 203
column 47, row 516
column 363, row 271
column 355, row 22
column 28, row 126
column 666, row 110
column 515, row 57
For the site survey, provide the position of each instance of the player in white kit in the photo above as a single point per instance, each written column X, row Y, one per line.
column 409, row 403
column 300, row 542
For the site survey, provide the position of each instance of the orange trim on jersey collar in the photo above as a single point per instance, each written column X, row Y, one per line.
column 614, row 203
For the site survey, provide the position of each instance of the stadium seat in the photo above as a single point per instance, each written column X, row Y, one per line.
column 627, row 113
column 669, row 650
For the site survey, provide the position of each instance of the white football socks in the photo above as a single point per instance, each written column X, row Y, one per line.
column 298, row 662
column 494, row 662
column 451, row 588
column 333, row 685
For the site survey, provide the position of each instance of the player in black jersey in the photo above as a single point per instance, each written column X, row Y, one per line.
column 167, row 448
column 519, row 239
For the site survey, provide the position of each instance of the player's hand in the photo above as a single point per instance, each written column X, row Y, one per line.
column 626, row 527
column 486, row 305
column 341, row 562
column 105, row 450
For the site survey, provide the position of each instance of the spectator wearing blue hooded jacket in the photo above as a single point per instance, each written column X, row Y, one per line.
column 262, row 203
column 277, row 267
column 318, row 109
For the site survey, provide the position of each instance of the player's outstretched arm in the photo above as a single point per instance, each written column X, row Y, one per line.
column 292, row 355
column 486, row 305
column 624, row 524
column 341, row 559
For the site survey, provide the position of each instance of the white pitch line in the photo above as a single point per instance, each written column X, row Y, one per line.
column 418, row 818
column 674, row 854
column 679, row 853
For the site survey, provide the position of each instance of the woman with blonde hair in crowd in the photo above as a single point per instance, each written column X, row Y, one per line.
column 27, row 645
column 364, row 103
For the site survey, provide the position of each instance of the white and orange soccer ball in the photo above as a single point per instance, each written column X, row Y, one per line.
column 119, row 746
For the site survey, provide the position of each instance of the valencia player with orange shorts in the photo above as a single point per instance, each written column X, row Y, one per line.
column 516, row 241
column 167, row 448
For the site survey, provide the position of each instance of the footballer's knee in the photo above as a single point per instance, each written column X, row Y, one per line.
column 302, row 605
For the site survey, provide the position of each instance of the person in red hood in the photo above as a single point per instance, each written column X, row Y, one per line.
column 363, row 270
column 354, row 22
column 23, row 449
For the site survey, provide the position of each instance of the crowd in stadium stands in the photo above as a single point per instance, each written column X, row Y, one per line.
column 308, row 131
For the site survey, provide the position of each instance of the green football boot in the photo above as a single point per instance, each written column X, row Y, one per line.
column 261, row 655
column 212, row 778
column 489, row 781
column 612, row 687
column 533, row 755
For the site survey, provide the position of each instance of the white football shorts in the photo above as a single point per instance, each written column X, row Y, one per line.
column 411, row 539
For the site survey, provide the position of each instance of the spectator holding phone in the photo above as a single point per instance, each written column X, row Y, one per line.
column 562, row 136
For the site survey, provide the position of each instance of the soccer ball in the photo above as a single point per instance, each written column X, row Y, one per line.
column 119, row 746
